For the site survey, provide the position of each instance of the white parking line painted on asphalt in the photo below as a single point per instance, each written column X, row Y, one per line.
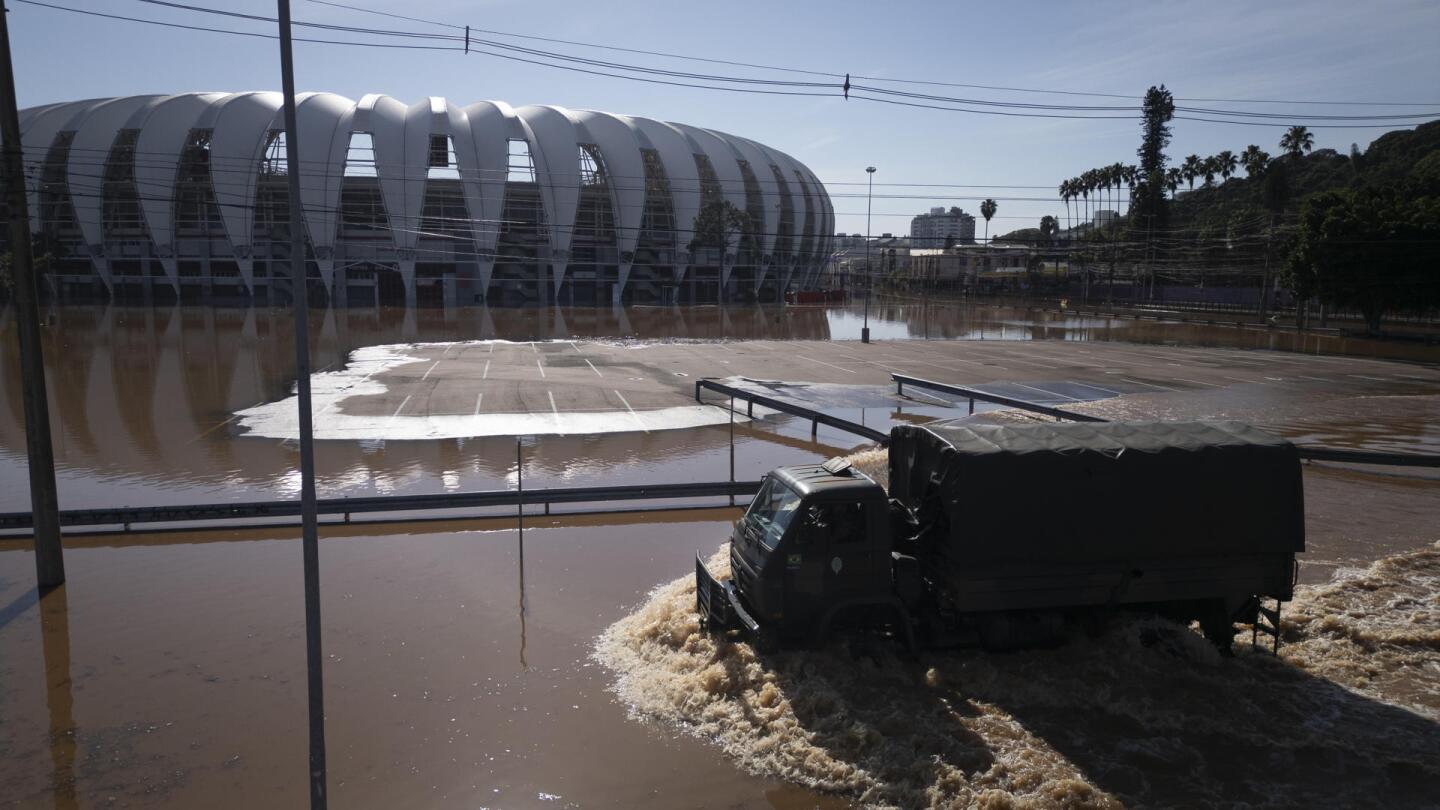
column 1313, row 379
column 403, row 403
column 1048, row 393
column 478, row 397
column 554, row 409
column 573, row 346
column 633, row 415
column 1242, row 380
column 1150, row 385
column 492, row 348
column 1364, row 377
column 1197, row 382
column 594, row 369
column 486, row 372
column 426, row 375
column 823, row 363
column 1097, row 388
column 540, row 366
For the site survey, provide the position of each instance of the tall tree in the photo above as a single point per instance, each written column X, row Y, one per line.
column 1297, row 139
column 1065, row 198
column 1048, row 228
column 1227, row 163
column 1210, row 167
column 1191, row 167
column 987, row 210
column 1173, row 178
column 719, row 222
column 1254, row 159
column 1375, row 249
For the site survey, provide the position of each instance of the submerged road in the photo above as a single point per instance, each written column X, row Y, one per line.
column 627, row 380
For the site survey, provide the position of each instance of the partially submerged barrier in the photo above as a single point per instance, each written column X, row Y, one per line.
column 228, row 513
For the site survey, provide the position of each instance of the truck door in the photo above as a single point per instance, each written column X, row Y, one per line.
column 849, row 565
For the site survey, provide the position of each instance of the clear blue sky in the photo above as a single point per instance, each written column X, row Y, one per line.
column 1377, row 51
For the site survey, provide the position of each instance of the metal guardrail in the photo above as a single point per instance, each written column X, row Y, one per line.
column 1313, row 453
column 125, row 516
column 815, row 417
column 902, row 380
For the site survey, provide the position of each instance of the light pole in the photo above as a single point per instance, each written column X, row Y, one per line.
column 865, row 329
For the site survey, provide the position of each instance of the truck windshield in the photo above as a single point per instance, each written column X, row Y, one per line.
column 774, row 505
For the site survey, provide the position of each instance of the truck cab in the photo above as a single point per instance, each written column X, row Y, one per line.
column 814, row 542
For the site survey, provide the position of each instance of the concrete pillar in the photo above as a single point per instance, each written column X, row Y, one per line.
column 448, row 290
column 407, row 275
column 247, row 273
column 172, row 272
column 327, row 278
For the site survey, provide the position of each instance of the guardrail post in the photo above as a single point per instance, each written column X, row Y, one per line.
column 972, row 406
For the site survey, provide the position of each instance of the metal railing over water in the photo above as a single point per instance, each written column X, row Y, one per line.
column 229, row 513
column 973, row 394
column 815, row 417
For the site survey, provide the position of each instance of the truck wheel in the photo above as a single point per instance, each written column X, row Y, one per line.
column 765, row 641
column 1216, row 625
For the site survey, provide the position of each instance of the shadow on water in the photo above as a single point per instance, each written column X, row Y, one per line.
column 1147, row 713
column 1253, row 730
column 54, row 618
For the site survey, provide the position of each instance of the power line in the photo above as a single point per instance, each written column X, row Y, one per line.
column 682, row 79
column 833, row 75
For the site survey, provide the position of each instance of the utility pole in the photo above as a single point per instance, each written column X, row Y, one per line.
column 869, row 271
column 310, row 546
column 44, row 499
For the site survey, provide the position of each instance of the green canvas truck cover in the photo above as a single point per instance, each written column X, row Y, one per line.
column 1092, row 492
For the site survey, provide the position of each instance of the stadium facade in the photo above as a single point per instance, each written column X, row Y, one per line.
column 145, row 195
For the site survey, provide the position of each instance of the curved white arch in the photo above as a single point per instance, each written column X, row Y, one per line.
column 618, row 140
column 760, row 162
column 556, row 153
column 95, row 132
column 677, row 156
column 723, row 159
column 483, row 152
column 322, row 121
column 163, row 135
column 240, row 125
column 37, row 136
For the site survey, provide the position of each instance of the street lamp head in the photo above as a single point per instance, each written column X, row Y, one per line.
column 870, row 169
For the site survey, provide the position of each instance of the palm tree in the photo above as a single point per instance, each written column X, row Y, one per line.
column 987, row 210
column 1254, row 159
column 1087, row 185
column 1192, row 168
column 1297, row 139
column 1065, row 197
column 1227, row 163
column 1048, row 227
column 1174, row 176
column 1132, row 177
column 1209, row 167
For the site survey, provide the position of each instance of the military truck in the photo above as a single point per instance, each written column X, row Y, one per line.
column 1007, row 536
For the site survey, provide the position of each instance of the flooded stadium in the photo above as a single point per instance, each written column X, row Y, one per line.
column 468, row 664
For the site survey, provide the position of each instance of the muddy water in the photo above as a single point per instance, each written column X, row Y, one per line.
column 169, row 671
column 1146, row 714
column 143, row 400
column 451, row 681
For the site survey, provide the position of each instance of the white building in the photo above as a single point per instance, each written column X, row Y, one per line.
column 931, row 230
column 401, row 201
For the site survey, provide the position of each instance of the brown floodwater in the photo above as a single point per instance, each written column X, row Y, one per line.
column 169, row 671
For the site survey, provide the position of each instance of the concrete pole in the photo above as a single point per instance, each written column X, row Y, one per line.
column 310, row 550
column 869, row 271
column 44, row 499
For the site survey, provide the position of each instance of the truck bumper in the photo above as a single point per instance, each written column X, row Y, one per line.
column 718, row 604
